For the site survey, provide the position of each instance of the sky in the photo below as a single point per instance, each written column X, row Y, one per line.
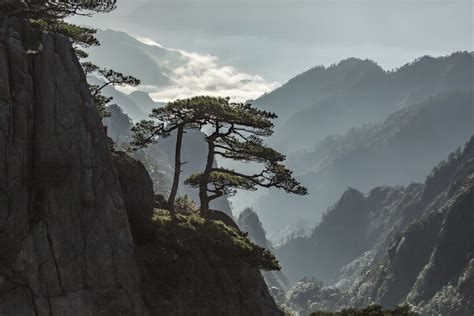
column 280, row 38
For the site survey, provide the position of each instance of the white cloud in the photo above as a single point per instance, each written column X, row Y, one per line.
column 203, row 75
column 148, row 41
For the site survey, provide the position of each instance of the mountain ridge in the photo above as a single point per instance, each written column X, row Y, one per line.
column 414, row 246
column 395, row 151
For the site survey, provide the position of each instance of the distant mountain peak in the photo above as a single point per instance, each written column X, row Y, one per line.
column 356, row 62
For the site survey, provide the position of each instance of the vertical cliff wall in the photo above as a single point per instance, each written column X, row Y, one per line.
column 65, row 242
column 68, row 208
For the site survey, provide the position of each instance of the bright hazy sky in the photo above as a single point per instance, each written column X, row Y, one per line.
column 269, row 41
column 281, row 38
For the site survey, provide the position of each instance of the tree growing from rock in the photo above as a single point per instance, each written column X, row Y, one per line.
column 175, row 117
column 110, row 78
column 236, row 132
column 49, row 16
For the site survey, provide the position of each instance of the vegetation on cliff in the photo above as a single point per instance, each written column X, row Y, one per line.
column 372, row 310
column 236, row 133
column 188, row 230
column 50, row 15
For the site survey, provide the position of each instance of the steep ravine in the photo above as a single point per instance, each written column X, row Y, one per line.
column 66, row 247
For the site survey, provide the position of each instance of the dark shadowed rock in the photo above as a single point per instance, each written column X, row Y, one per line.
column 199, row 273
column 65, row 242
column 66, row 246
column 137, row 189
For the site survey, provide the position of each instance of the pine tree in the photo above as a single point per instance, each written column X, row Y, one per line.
column 175, row 117
column 237, row 132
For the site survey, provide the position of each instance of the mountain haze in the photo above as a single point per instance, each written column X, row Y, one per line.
column 324, row 101
column 394, row 245
column 366, row 133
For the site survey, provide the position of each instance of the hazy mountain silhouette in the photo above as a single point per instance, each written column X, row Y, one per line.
column 397, row 245
column 396, row 151
column 323, row 101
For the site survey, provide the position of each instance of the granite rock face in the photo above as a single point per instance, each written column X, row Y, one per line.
column 137, row 189
column 65, row 242
column 72, row 214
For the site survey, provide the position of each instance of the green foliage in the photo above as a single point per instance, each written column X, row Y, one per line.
column 236, row 133
column 117, row 79
column 110, row 77
column 252, row 149
column 285, row 311
column 165, row 120
column 80, row 35
column 61, row 9
column 184, row 204
column 101, row 102
column 186, row 231
column 49, row 16
column 372, row 310
column 223, row 181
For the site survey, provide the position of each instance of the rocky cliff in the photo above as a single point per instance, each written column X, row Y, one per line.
column 68, row 208
column 65, row 242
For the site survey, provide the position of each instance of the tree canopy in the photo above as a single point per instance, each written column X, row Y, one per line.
column 176, row 116
column 61, row 9
column 236, row 132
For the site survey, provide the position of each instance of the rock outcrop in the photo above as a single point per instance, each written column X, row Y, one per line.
column 65, row 242
column 197, row 266
column 137, row 190
column 73, row 215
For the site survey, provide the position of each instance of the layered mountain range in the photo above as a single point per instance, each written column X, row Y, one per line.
column 396, row 151
column 354, row 124
column 393, row 245
column 324, row 101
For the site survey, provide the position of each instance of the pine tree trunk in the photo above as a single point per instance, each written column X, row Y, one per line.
column 177, row 169
column 205, row 178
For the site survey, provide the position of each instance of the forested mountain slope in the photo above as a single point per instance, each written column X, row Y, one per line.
column 397, row 244
column 324, row 101
column 396, row 151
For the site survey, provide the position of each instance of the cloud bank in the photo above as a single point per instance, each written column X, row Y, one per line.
column 204, row 75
